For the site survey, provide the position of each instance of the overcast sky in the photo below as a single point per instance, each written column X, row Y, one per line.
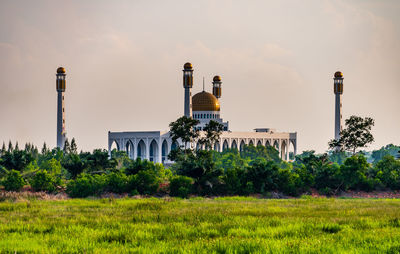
column 124, row 64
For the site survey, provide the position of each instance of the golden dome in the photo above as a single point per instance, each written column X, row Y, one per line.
column 216, row 78
column 188, row 66
column 204, row 101
column 338, row 74
column 61, row 70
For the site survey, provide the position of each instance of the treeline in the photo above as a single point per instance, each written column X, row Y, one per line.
column 203, row 172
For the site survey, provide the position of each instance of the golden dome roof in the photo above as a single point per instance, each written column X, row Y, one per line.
column 60, row 70
column 217, row 78
column 338, row 74
column 204, row 101
column 188, row 66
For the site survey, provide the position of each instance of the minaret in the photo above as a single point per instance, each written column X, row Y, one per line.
column 60, row 86
column 338, row 90
column 217, row 86
column 188, row 84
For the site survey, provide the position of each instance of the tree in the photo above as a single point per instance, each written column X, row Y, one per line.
column 388, row 172
column 213, row 131
column 357, row 134
column 10, row 146
column 13, row 181
column 73, row 147
column 73, row 164
column 98, row 161
column 183, row 128
column 379, row 154
column 354, row 173
column 18, row 160
column 67, row 148
column 135, row 166
column 45, row 150
column 3, row 149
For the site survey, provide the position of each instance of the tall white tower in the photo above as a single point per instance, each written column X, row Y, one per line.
column 188, row 84
column 338, row 90
column 60, row 86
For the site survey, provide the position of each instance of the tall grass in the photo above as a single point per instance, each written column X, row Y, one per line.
column 224, row 225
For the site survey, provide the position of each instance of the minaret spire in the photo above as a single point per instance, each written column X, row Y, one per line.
column 60, row 86
column 188, row 84
column 338, row 90
column 217, row 86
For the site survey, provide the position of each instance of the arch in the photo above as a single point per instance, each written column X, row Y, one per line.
column 242, row 144
column 251, row 143
column 292, row 150
column 267, row 143
column 164, row 151
column 225, row 145
column 114, row 145
column 141, row 149
column 276, row 145
column 283, row 150
column 217, row 146
column 129, row 149
column 234, row 145
column 259, row 143
column 153, row 151
column 174, row 146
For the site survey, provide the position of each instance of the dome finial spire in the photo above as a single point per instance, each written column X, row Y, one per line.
column 203, row 84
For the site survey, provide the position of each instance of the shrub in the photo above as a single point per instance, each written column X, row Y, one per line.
column 289, row 182
column 117, row 182
column 13, row 181
column 388, row 172
column 327, row 177
column 145, row 182
column 139, row 165
column 181, row 186
column 86, row 185
column 263, row 175
column 43, row 181
column 52, row 166
column 233, row 178
column 353, row 173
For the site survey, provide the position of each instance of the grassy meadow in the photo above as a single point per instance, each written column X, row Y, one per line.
column 221, row 225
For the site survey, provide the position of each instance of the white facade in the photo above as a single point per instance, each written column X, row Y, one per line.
column 156, row 145
column 204, row 118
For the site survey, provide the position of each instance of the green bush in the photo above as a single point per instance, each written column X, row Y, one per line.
column 354, row 173
column 117, row 182
column 289, row 182
column 180, row 186
column 388, row 172
column 327, row 177
column 43, row 181
column 145, row 182
column 86, row 185
column 233, row 178
column 263, row 175
column 13, row 181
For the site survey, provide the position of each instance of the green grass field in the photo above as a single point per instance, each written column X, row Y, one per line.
column 222, row 225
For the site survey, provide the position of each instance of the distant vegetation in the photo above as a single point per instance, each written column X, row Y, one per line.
column 255, row 170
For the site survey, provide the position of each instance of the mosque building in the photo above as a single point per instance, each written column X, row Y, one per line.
column 203, row 106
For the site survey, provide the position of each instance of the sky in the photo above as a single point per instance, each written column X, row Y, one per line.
column 124, row 63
